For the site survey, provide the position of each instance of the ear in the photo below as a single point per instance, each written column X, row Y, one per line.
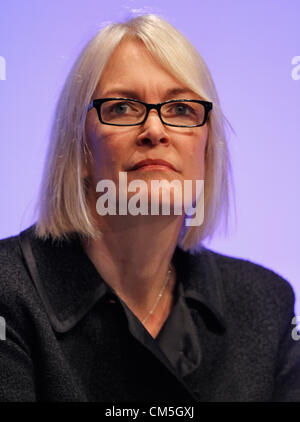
column 85, row 172
column 85, row 161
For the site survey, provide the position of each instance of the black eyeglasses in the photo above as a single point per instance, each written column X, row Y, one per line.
column 130, row 112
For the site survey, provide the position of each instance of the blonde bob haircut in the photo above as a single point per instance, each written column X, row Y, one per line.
column 62, row 204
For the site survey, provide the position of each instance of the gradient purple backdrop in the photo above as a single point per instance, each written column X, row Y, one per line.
column 249, row 48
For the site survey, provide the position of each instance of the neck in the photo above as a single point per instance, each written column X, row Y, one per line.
column 133, row 254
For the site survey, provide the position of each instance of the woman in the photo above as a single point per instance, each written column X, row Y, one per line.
column 103, row 305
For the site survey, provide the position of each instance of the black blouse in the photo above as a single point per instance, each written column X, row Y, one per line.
column 177, row 339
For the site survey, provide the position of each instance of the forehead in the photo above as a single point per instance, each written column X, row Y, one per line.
column 132, row 68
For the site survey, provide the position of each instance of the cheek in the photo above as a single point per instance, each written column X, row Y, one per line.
column 195, row 164
column 200, row 153
column 105, row 153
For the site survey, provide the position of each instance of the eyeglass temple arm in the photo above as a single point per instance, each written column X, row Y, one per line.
column 90, row 106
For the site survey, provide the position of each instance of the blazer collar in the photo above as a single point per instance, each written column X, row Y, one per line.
column 69, row 284
column 202, row 283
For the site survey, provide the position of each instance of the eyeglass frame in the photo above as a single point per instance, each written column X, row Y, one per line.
column 99, row 101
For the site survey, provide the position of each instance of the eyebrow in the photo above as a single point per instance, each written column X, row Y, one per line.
column 173, row 92
column 128, row 93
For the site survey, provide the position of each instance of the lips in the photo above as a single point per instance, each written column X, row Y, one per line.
column 152, row 162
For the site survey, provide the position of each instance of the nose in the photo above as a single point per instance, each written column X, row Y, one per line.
column 153, row 131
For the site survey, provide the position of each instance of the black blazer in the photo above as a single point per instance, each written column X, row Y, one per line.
column 65, row 341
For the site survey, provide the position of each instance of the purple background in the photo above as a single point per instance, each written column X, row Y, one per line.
column 248, row 46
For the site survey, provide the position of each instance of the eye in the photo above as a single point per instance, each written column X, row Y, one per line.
column 178, row 109
column 123, row 108
column 122, row 111
column 119, row 108
column 182, row 108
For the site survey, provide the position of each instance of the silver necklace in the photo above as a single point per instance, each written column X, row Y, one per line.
column 159, row 296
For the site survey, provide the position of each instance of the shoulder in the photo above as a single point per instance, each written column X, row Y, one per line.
column 11, row 262
column 8, row 246
column 247, row 282
column 243, row 270
column 18, row 299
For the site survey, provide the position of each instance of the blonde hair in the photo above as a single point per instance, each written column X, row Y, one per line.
column 62, row 206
